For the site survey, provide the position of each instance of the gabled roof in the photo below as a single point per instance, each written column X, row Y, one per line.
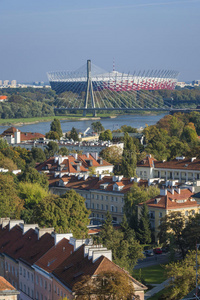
column 55, row 256
column 173, row 201
column 95, row 183
column 5, row 285
column 148, row 161
column 72, row 164
column 183, row 164
column 76, row 265
column 25, row 136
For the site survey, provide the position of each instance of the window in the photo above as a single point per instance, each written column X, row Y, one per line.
column 92, row 196
column 112, row 198
column 116, row 199
column 16, row 272
column 58, row 291
column 45, row 284
column 41, row 282
column 102, row 206
column 24, row 273
column 54, row 288
column 116, row 209
column 102, row 197
column 24, row 288
column 6, row 266
column 28, row 275
column 61, row 293
column 122, row 210
column 106, row 207
column 92, row 205
column 36, row 279
column 20, row 286
column 37, row 295
column 112, row 208
column 97, row 206
column 32, row 277
column 97, row 197
column 86, row 205
column 160, row 215
column 49, row 287
column 102, row 216
column 28, row 290
column 13, row 270
column 106, row 197
column 32, row 294
column 41, row 296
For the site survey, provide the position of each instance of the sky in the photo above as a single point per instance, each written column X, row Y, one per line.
column 37, row 36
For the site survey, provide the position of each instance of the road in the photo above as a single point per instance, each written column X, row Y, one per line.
column 153, row 260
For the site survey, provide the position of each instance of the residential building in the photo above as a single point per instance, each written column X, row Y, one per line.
column 7, row 291
column 14, row 136
column 75, row 164
column 102, row 193
column 180, row 169
column 45, row 265
column 170, row 200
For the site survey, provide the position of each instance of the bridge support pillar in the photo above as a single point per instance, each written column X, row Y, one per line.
column 89, row 90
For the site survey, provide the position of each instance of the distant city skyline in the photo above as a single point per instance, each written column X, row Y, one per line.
column 47, row 35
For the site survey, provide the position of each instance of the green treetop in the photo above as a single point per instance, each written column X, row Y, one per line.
column 55, row 126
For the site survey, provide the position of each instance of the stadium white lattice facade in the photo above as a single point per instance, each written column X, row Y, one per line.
column 115, row 81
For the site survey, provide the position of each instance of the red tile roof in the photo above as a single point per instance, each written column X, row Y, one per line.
column 94, row 183
column 148, row 161
column 173, row 201
column 55, row 256
column 5, row 285
column 76, row 265
column 184, row 164
column 71, row 164
column 25, row 136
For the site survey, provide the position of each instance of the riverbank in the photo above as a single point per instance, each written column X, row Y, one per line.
column 27, row 121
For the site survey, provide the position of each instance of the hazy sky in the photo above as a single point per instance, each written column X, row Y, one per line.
column 37, row 36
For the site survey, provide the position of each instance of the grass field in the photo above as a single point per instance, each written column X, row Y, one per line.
column 152, row 275
column 158, row 295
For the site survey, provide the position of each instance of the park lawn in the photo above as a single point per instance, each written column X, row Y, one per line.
column 152, row 275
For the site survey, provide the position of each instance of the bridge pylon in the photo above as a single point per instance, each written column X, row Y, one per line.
column 89, row 90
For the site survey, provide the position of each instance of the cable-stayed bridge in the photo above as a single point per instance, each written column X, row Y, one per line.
column 91, row 88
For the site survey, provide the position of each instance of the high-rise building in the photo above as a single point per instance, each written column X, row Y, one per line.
column 6, row 82
column 13, row 83
column 1, row 82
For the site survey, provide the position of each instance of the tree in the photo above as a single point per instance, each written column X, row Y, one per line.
column 112, row 154
column 10, row 204
column 8, row 163
column 63, row 151
column 171, row 228
column 182, row 275
column 97, row 127
column 52, row 149
column 106, row 135
column 74, row 134
column 64, row 213
column 52, row 135
column 133, row 198
column 31, row 175
column 129, row 158
column 55, row 126
column 144, row 231
column 128, row 129
column 106, row 285
column 38, row 154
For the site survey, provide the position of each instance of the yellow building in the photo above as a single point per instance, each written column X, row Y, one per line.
column 170, row 200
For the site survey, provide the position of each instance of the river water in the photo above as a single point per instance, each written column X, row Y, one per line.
column 136, row 121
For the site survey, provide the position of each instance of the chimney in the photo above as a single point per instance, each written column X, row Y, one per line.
column 76, row 156
column 77, row 243
column 163, row 192
column 192, row 189
column 97, row 249
column 136, row 179
column 4, row 222
column 13, row 223
column 101, row 176
column 171, row 191
column 106, row 253
column 95, row 155
column 59, row 236
column 88, row 154
column 26, row 227
column 87, row 247
column 193, row 158
column 178, row 190
column 41, row 231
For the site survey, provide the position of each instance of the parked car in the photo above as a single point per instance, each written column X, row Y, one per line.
column 148, row 252
column 157, row 251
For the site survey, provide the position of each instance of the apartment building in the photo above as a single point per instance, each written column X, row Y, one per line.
column 74, row 164
column 170, row 200
column 181, row 169
column 44, row 265
column 102, row 193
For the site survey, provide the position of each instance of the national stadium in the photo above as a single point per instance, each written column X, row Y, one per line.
column 76, row 81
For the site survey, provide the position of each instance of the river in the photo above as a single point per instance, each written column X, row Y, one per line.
column 136, row 121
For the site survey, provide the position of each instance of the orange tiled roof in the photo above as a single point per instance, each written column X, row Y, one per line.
column 148, row 161
column 55, row 256
column 3, row 97
column 27, row 136
column 173, row 201
column 184, row 164
column 5, row 285
column 76, row 265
